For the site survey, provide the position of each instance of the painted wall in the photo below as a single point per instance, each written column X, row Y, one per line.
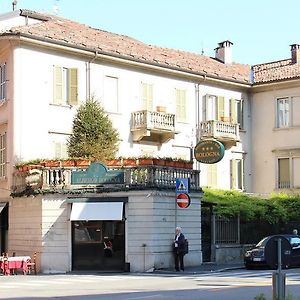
column 270, row 142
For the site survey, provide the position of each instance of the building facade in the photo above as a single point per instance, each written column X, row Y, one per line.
column 162, row 102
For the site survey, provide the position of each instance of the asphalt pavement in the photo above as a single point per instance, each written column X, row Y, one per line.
column 204, row 268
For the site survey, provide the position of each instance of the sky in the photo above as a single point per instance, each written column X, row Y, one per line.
column 260, row 30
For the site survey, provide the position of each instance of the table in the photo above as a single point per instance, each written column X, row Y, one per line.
column 14, row 262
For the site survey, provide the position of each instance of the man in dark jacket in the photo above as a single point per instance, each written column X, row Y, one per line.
column 179, row 249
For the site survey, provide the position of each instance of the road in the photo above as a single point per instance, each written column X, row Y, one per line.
column 230, row 285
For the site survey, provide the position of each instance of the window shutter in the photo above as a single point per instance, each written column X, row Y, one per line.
column 233, row 173
column 221, row 108
column 147, row 96
column 233, row 111
column 212, row 178
column 73, row 87
column 181, row 105
column 57, row 149
column 58, row 85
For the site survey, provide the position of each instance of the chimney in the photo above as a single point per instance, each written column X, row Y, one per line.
column 224, row 53
column 295, row 52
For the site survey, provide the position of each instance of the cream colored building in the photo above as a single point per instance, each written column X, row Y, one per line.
column 162, row 102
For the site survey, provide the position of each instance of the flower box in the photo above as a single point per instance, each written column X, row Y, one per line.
column 82, row 162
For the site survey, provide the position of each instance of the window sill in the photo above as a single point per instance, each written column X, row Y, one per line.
column 2, row 101
column 286, row 128
column 62, row 105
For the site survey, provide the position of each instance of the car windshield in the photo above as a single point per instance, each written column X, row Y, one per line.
column 263, row 242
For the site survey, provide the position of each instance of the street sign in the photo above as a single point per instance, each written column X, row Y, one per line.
column 182, row 185
column 183, row 200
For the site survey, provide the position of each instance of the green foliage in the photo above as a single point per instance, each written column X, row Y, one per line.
column 277, row 208
column 260, row 297
column 93, row 135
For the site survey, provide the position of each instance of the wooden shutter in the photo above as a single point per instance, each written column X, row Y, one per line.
column 57, row 85
column 221, row 108
column 233, row 173
column 147, row 96
column 73, row 86
column 181, row 105
column 233, row 115
column 212, row 178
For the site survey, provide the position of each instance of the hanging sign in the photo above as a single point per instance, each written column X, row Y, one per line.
column 209, row 151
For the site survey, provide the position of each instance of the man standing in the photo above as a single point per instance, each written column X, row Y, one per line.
column 179, row 249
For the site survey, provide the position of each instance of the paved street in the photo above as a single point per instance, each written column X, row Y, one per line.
column 229, row 285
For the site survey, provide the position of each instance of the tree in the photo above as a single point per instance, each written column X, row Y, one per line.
column 93, row 134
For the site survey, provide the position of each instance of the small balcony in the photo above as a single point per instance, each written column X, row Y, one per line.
column 225, row 132
column 152, row 126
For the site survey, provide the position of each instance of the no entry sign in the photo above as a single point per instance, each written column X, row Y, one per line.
column 183, row 200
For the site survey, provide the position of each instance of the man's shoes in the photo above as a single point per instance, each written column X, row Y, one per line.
column 177, row 270
column 182, row 270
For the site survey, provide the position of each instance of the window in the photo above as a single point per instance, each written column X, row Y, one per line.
column 237, row 174
column 181, row 105
column 283, row 112
column 111, row 102
column 284, row 173
column 237, row 112
column 3, row 82
column 212, row 178
column 214, row 108
column 3, row 155
column 147, row 96
column 65, row 86
column 60, row 150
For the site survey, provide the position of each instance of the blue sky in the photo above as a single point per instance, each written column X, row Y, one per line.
column 261, row 30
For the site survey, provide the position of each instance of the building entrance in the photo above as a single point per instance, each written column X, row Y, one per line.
column 98, row 245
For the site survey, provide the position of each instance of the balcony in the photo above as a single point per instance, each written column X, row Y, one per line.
column 58, row 179
column 225, row 132
column 152, row 126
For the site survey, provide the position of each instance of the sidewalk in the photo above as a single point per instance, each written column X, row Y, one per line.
column 204, row 268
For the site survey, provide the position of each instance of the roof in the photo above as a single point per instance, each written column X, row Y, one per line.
column 276, row 71
column 54, row 29
column 59, row 30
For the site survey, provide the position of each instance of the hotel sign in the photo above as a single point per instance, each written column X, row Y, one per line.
column 209, row 151
column 97, row 174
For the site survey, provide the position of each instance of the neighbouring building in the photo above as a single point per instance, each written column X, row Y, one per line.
column 163, row 102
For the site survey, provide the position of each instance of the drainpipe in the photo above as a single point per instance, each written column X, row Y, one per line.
column 88, row 75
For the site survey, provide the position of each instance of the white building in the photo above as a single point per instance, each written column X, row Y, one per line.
column 162, row 101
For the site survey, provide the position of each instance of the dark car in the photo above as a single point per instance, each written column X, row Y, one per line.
column 256, row 256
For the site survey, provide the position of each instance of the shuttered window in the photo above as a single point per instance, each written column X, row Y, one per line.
column 60, row 150
column 111, row 102
column 283, row 112
column 221, row 108
column 3, row 82
column 3, row 153
column 65, row 86
column 233, row 111
column 212, row 176
column 237, row 174
column 147, row 96
column 180, row 105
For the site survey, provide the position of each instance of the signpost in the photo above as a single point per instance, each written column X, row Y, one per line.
column 182, row 195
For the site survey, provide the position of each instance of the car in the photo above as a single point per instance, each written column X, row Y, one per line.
column 256, row 256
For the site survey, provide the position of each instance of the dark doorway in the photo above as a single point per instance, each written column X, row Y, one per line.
column 88, row 243
column 206, row 236
column 3, row 227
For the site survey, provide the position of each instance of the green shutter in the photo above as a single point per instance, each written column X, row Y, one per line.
column 221, row 108
column 73, row 86
column 212, row 178
column 147, row 96
column 233, row 115
column 181, row 105
column 233, row 173
column 57, row 85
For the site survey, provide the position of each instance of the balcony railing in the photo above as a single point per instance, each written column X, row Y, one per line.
column 134, row 177
column 152, row 125
column 226, row 132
